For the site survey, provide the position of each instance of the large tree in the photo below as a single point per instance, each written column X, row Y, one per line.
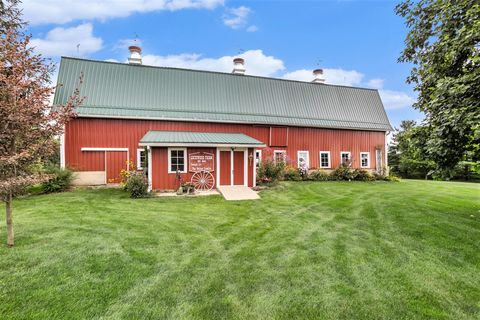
column 28, row 123
column 443, row 44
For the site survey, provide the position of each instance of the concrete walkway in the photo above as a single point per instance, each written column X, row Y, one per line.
column 233, row 193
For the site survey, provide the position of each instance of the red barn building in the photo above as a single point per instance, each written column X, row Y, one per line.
column 179, row 120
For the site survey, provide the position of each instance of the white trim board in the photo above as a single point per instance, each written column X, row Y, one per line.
column 217, row 145
column 329, row 159
column 307, row 157
column 185, row 159
column 149, row 173
column 368, row 159
column 104, row 149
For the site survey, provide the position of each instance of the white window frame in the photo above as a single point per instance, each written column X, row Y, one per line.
column 284, row 152
column 329, row 160
column 368, row 159
column 307, row 160
column 139, row 162
column 259, row 152
column 349, row 156
column 185, row 169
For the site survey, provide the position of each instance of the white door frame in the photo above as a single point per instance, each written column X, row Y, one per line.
column 245, row 165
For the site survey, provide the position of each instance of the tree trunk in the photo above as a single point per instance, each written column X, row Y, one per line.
column 8, row 206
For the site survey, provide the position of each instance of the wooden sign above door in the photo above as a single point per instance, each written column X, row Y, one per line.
column 200, row 161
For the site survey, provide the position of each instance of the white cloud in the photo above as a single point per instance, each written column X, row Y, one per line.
column 331, row 76
column 237, row 17
column 64, row 41
column 63, row 11
column 391, row 99
column 256, row 62
column 375, row 83
column 395, row 99
column 252, row 29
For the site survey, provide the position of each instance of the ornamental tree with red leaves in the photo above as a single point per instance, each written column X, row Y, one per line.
column 28, row 123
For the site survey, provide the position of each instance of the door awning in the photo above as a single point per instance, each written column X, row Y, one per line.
column 198, row 139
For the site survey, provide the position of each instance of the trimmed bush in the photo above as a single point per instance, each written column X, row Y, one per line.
column 362, row 175
column 137, row 185
column 61, row 180
column 342, row 173
column 269, row 172
column 319, row 175
column 292, row 174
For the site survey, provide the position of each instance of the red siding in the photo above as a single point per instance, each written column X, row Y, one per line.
column 117, row 133
column 88, row 161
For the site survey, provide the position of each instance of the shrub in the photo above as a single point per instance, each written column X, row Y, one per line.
column 392, row 178
column 319, row 175
column 362, row 175
column 303, row 170
column 61, row 180
column 292, row 174
column 126, row 173
column 342, row 173
column 137, row 185
column 269, row 172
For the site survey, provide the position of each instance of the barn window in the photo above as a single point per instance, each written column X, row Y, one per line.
column 324, row 159
column 176, row 160
column 303, row 159
column 258, row 158
column 279, row 156
column 346, row 159
column 141, row 159
column 365, row 159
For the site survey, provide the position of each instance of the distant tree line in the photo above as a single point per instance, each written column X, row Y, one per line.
column 409, row 156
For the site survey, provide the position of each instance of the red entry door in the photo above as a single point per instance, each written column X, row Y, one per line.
column 225, row 168
column 116, row 161
column 238, row 167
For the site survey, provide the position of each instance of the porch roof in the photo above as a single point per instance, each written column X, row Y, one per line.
column 198, row 139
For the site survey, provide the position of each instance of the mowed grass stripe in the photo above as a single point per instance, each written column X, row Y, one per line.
column 306, row 250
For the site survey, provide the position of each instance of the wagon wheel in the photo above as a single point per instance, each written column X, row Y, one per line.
column 203, row 181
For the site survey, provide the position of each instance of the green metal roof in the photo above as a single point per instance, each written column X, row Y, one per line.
column 205, row 138
column 120, row 90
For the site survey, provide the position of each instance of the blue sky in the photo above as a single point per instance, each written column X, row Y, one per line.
column 356, row 42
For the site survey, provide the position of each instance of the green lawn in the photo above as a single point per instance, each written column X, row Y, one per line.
column 305, row 250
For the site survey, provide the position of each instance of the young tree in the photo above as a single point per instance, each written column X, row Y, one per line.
column 28, row 124
column 443, row 43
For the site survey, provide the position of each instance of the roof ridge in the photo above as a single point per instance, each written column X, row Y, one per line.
column 217, row 72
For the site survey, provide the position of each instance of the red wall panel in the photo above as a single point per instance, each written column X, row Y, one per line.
column 225, row 168
column 250, row 166
column 116, row 161
column 88, row 161
column 238, row 167
column 119, row 133
column 278, row 136
column 161, row 179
